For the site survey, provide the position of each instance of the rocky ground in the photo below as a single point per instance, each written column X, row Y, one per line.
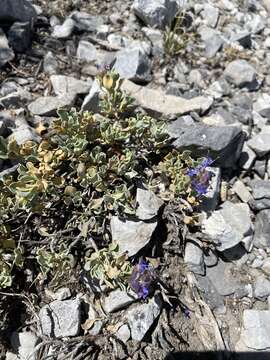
column 206, row 73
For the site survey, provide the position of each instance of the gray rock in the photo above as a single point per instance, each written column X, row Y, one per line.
column 223, row 270
column 210, row 15
column 158, row 104
column 24, row 344
column 157, row 40
column 262, row 105
column 65, row 30
column 260, row 143
column 11, row 356
column 60, row 294
column 117, row 300
column 148, row 204
column 94, row 317
column 229, row 226
column 194, row 258
column 19, row 36
column 50, row 64
column 6, row 122
column 213, row 41
column 210, row 294
column 243, row 37
column 133, row 64
column 260, row 168
column 86, row 51
column 262, row 229
column 211, row 198
column 123, row 333
column 266, row 266
column 255, row 24
column 255, row 331
column 240, row 189
column 140, row 232
column 16, row 10
column 15, row 99
column 25, row 133
column 156, row 13
column 6, row 54
column 48, row 105
column 261, row 194
column 8, row 87
column 240, row 73
column 219, row 88
column 86, row 22
column 142, row 317
column 247, row 157
column 223, row 143
column 61, row 318
column 67, row 85
column 261, row 287
column 91, row 101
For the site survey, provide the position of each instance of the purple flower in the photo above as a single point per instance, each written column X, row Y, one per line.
column 200, row 177
column 142, row 278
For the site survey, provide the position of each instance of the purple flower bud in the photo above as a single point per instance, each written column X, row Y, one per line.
column 142, row 278
column 201, row 177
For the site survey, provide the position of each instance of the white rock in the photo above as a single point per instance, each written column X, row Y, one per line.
column 148, row 204
column 24, row 343
column 229, row 226
column 63, row 85
column 131, row 236
column 159, row 104
column 61, row 318
column 117, row 300
column 256, row 329
column 141, row 317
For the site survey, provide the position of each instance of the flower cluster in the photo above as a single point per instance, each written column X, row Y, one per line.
column 142, row 277
column 200, row 176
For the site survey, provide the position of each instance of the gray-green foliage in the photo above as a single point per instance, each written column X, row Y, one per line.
column 85, row 169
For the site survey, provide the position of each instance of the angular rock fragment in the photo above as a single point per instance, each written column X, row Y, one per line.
column 262, row 105
column 260, row 143
column 156, row 13
column 158, row 104
column 229, row 226
column 133, row 64
column 142, row 317
column 256, row 329
column 65, row 30
column 24, row 343
column 194, row 258
column 148, row 204
column 67, row 85
column 223, row 143
column 61, row 318
column 240, row 73
column 86, row 22
column 261, row 194
column 211, row 198
column 131, row 236
column 48, row 105
column 86, row 51
column 50, row 64
column 6, row 54
column 91, row 101
column 262, row 229
column 117, row 300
